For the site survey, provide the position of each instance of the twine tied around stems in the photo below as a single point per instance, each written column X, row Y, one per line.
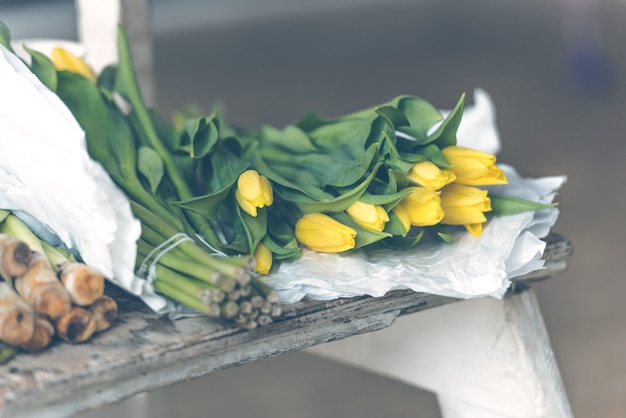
column 149, row 262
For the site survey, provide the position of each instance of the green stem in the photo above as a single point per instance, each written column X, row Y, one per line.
column 14, row 226
column 182, row 265
column 127, row 86
column 180, row 296
column 56, row 256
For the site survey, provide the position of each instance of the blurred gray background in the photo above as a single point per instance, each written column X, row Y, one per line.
column 556, row 72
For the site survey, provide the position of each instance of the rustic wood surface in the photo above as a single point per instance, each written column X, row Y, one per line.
column 144, row 351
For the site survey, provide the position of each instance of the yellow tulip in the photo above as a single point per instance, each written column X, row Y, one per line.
column 403, row 216
column 423, row 206
column 63, row 59
column 263, row 258
column 465, row 205
column 368, row 216
column 322, row 233
column 428, row 175
column 473, row 167
column 253, row 191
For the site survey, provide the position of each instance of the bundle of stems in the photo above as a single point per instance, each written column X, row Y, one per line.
column 179, row 250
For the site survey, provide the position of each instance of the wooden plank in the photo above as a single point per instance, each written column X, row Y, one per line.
column 144, row 351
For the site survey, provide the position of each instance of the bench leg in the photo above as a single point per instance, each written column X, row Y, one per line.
column 481, row 357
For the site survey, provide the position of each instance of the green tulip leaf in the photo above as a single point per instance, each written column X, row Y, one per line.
column 305, row 190
column 248, row 230
column 394, row 226
column 106, row 79
column 352, row 171
column 292, row 140
column 339, row 203
column 43, row 68
column 397, row 162
column 150, row 165
column 224, row 169
column 445, row 134
column 433, row 153
column 88, row 107
column 346, row 137
column 388, row 201
column 280, row 224
column 420, row 114
column 5, row 36
column 394, row 116
column 403, row 242
column 310, row 121
column 507, row 205
column 200, row 135
column 289, row 251
column 441, row 233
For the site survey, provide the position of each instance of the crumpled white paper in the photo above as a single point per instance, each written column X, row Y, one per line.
column 469, row 267
column 69, row 199
column 49, row 181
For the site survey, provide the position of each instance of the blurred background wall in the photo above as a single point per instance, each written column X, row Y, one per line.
column 555, row 70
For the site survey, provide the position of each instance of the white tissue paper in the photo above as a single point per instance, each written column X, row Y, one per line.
column 469, row 267
column 49, row 181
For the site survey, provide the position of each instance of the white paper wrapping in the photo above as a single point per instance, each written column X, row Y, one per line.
column 48, row 180
column 469, row 267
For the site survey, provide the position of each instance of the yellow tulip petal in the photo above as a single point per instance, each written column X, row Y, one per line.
column 428, row 175
column 62, row 59
column 263, row 258
column 253, row 191
column 368, row 216
column 475, row 229
column 423, row 206
column 473, row 167
column 322, row 233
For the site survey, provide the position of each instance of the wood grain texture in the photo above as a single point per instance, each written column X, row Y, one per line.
column 143, row 351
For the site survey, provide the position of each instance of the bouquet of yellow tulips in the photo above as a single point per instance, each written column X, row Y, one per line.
column 386, row 175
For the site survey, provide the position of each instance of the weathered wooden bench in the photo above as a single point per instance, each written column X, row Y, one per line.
column 482, row 357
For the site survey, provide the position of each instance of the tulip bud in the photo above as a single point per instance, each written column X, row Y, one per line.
column 464, row 205
column 368, row 216
column 263, row 258
column 428, row 175
column 473, row 167
column 322, row 233
column 423, row 206
column 62, row 59
column 253, row 191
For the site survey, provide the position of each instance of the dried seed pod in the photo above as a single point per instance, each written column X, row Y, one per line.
column 17, row 318
column 104, row 312
column 15, row 256
column 76, row 326
column 42, row 336
column 41, row 289
column 84, row 284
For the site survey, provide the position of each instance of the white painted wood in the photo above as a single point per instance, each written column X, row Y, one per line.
column 97, row 30
column 482, row 358
column 97, row 26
